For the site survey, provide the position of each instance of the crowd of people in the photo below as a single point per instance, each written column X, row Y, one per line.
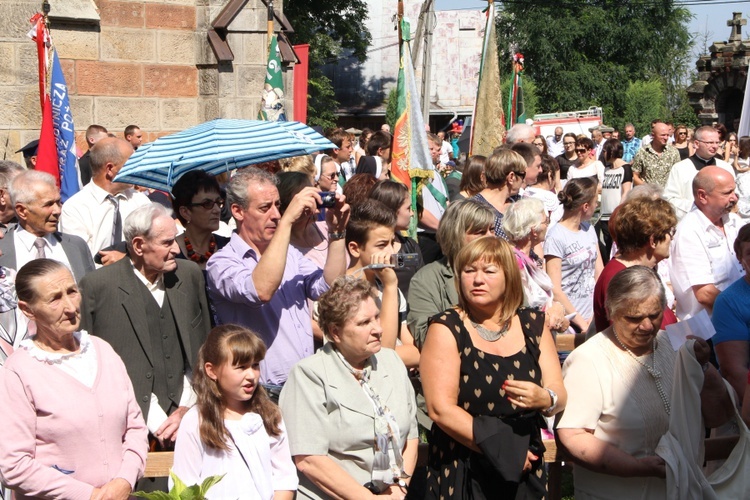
column 285, row 327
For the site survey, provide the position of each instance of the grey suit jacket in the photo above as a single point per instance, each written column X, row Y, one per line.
column 112, row 308
column 74, row 247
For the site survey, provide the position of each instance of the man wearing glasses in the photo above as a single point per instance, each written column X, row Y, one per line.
column 631, row 144
column 679, row 187
column 652, row 163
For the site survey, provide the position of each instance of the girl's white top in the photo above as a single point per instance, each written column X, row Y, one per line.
column 269, row 464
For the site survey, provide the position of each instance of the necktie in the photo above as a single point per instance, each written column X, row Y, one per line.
column 116, row 221
column 39, row 243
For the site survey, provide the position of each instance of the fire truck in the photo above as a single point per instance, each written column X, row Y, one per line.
column 577, row 122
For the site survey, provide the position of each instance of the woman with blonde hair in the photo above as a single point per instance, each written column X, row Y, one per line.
column 490, row 372
column 304, row 164
column 432, row 289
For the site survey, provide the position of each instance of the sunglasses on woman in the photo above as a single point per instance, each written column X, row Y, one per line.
column 209, row 204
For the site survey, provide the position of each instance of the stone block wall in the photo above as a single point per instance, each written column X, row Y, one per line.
column 143, row 62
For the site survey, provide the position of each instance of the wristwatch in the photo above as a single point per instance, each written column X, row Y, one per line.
column 553, row 397
column 336, row 236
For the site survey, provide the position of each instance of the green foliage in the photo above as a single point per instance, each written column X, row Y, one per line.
column 321, row 99
column 585, row 53
column 644, row 101
column 391, row 109
column 330, row 27
column 684, row 113
column 180, row 491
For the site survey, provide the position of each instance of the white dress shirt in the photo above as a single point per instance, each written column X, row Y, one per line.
column 702, row 254
column 554, row 147
column 26, row 251
column 90, row 215
column 679, row 187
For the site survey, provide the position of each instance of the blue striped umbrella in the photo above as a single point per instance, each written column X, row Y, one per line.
column 218, row 146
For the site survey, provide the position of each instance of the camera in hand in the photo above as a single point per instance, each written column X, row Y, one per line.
column 405, row 260
column 328, row 199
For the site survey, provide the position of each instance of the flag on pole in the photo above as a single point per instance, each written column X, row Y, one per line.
column 488, row 124
column 516, row 109
column 56, row 151
column 46, row 158
column 65, row 137
column 411, row 163
column 272, row 98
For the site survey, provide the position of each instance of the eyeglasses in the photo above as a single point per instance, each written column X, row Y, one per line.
column 522, row 175
column 671, row 232
column 711, row 143
column 209, row 204
column 332, row 175
column 581, row 150
column 681, row 133
column 569, row 143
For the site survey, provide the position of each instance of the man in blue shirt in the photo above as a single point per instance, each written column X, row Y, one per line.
column 630, row 144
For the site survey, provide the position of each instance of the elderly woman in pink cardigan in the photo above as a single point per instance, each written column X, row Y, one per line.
column 71, row 427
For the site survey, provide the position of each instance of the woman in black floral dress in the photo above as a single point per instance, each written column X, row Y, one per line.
column 489, row 372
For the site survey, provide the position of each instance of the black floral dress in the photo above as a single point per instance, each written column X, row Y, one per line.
column 455, row 471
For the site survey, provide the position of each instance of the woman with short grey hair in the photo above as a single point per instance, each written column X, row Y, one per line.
column 619, row 386
column 525, row 224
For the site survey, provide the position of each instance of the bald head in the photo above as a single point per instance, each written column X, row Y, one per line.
column 107, row 158
column 708, row 177
column 713, row 192
column 660, row 136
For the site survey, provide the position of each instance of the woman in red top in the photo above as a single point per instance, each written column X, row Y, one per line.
column 643, row 229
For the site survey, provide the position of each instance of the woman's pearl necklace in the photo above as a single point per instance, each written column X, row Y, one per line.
column 655, row 374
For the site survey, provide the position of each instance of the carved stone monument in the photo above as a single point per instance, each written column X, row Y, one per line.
column 718, row 92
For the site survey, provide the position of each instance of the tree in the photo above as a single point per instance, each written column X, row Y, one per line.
column 585, row 53
column 391, row 108
column 330, row 27
column 644, row 101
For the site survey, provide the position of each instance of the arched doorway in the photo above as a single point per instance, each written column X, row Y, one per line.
column 729, row 106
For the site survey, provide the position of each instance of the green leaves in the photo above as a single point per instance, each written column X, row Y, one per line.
column 330, row 27
column 587, row 52
column 180, row 491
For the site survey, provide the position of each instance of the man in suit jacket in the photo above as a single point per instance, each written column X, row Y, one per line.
column 152, row 309
column 36, row 199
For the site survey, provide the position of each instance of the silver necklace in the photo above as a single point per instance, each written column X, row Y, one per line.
column 655, row 374
column 491, row 335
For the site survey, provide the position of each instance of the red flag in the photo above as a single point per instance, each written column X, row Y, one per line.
column 46, row 158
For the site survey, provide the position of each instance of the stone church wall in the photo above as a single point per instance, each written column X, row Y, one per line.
column 142, row 62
